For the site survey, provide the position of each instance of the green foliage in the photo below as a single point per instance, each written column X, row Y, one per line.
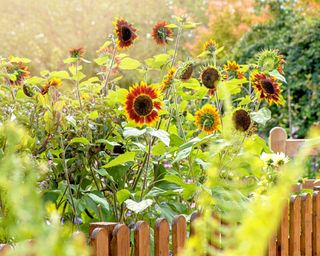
column 298, row 39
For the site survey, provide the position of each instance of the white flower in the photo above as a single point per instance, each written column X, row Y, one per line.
column 267, row 158
column 279, row 159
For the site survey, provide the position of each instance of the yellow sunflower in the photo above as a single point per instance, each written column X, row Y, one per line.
column 241, row 120
column 141, row 105
column 232, row 70
column 210, row 46
column 52, row 82
column 266, row 87
column 208, row 119
column 161, row 34
column 168, row 79
column 210, row 78
column 126, row 33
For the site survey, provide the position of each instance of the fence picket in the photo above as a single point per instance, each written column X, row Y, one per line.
column 295, row 225
column 120, row 242
column 142, row 239
column 99, row 242
column 283, row 234
column 4, row 249
column 193, row 218
column 272, row 246
column 316, row 223
column 161, row 238
column 306, row 225
column 179, row 234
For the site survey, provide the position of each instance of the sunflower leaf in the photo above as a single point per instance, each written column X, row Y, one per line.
column 261, row 116
column 129, row 64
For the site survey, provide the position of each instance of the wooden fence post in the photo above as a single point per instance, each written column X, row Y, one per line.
column 306, row 225
column 120, row 243
column 295, row 226
column 99, row 242
column 277, row 140
column 4, row 249
column 193, row 218
column 161, row 238
column 142, row 239
column 283, row 233
column 179, row 234
column 316, row 223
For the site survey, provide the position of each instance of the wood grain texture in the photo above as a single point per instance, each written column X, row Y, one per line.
column 306, row 225
column 142, row 239
column 316, row 223
column 272, row 246
column 120, row 242
column 283, row 234
column 161, row 238
column 4, row 249
column 277, row 140
column 295, row 226
column 99, row 242
column 179, row 234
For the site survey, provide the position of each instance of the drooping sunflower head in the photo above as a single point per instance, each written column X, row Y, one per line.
column 241, row 120
column 269, row 60
column 168, row 79
column 266, row 87
column 141, row 104
column 161, row 34
column 18, row 72
column 28, row 90
column 210, row 46
column 125, row 32
column 208, row 119
column 232, row 70
column 76, row 52
column 210, row 78
column 52, row 82
column 185, row 71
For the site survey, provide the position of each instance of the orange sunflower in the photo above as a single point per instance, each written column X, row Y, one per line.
column 53, row 82
column 168, row 79
column 161, row 34
column 208, row 119
column 267, row 87
column 210, row 78
column 19, row 71
column 141, row 105
column 232, row 70
column 76, row 52
column 126, row 33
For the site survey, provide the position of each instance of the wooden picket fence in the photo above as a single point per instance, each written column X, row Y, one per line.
column 298, row 232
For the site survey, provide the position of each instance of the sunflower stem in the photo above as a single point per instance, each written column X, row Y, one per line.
column 105, row 86
column 145, row 180
column 77, row 85
column 176, row 47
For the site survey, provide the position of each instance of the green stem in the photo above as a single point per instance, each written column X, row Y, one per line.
column 77, row 85
column 105, row 86
column 147, row 168
column 176, row 47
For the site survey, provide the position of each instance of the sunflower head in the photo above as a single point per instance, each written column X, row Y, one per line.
column 266, row 87
column 210, row 78
column 269, row 60
column 28, row 90
column 52, row 82
column 185, row 71
column 210, row 46
column 161, row 34
column 232, row 70
column 168, row 79
column 125, row 32
column 76, row 52
column 241, row 120
column 208, row 119
column 141, row 104
column 19, row 71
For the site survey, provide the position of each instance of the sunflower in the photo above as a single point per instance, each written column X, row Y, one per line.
column 232, row 70
column 266, row 87
column 208, row 119
column 210, row 78
column 269, row 60
column 161, row 34
column 185, row 71
column 241, row 120
column 141, row 105
column 126, row 33
column 168, row 79
column 19, row 71
column 53, row 82
column 210, row 46
column 76, row 52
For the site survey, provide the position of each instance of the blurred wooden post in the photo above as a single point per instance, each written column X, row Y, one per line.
column 179, row 234
column 193, row 218
column 120, row 243
column 277, row 140
column 283, row 233
column 306, row 225
column 295, row 226
column 316, row 223
column 4, row 249
column 142, row 239
column 161, row 238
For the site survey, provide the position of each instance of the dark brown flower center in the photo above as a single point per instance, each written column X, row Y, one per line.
column 126, row 33
column 187, row 72
column 143, row 105
column 268, row 86
column 210, row 77
column 241, row 120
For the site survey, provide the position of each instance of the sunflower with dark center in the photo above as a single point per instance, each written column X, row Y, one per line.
column 210, row 78
column 161, row 34
column 141, row 105
column 76, row 52
column 232, row 70
column 267, row 88
column 168, row 79
column 241, row 120
column 208, row 119
column 185, row 72
column 19, row 71
column 126, row 33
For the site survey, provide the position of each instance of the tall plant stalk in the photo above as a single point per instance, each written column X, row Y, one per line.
column 106, row 82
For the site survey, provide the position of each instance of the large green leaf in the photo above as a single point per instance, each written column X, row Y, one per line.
column 124, row 158
column 261, row 116
column 123, row 195
column 129, row 64
column 133, row 132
